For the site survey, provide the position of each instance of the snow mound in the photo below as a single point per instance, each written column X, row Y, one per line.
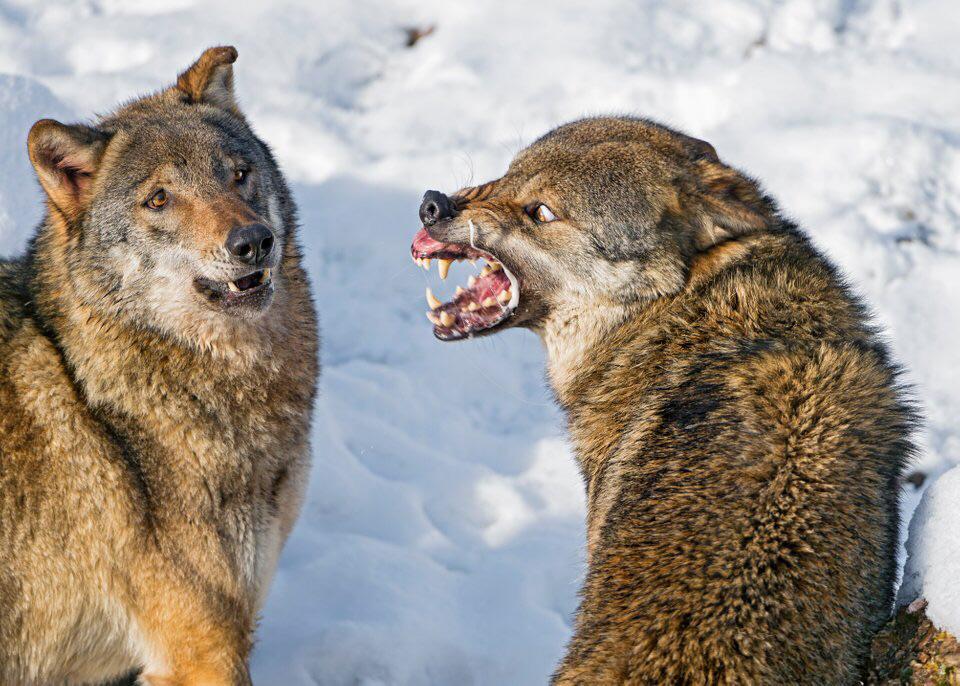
column 932, row 571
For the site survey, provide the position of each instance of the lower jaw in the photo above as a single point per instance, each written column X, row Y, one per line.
column 242, row 305
column 449, row 335
column 486, row 306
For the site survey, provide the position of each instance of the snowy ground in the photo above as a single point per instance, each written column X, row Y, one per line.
column 442, row 539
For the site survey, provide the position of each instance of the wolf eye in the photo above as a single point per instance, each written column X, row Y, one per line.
column 240, row 176
column 158, row 200
column 542, row 214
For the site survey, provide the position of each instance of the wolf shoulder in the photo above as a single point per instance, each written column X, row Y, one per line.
column 787, row 340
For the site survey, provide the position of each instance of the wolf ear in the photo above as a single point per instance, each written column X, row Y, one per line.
column 729, row 203
column 66, row 159
column 210, row 79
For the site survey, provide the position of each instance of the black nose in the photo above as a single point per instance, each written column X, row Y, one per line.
column 435, row 207
column 251, row 243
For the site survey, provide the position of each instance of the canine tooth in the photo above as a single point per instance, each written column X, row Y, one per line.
column 495, row 266
column 447, row 319
column 233, row 287
column 486, row 270
column 432, row 300
column 443, row 266
column 504, row 296
column 433, row 318
column 472, row 281
column 459, row 291
column 426, row 263
column 473, row 307
column 489, row 302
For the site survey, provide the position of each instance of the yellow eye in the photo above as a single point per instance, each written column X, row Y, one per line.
column 158, row 200
column 240, row 176
column 544, row 214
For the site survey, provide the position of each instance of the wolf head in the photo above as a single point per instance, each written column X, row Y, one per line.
column 169, row 213
column 598, row 212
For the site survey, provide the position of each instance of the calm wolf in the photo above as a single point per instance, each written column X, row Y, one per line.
column 737, row 420
column 158, row 365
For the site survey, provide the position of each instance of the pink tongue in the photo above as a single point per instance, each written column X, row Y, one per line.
column 424, row 246
column 486, row 287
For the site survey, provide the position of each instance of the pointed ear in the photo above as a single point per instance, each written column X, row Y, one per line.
column 66, row 159
column 210, row 79
column 729, row 204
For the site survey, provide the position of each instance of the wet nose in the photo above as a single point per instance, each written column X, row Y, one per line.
column 435, row 207
column 251, row 243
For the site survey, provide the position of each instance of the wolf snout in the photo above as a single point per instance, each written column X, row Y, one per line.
column 250, row 244
column 435, row 207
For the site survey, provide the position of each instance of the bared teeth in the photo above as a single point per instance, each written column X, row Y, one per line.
column 489, row 302
column 490, row 268
column 432, row 300
column 447, row 319
column 443, row 266
column 425, row 263
column 473, row 307
column 472, row 281
column 432, row 316
column 459, row 291
column 504, row 296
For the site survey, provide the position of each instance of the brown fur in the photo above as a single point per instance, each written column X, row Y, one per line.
column 150, row 466
column 736, row 419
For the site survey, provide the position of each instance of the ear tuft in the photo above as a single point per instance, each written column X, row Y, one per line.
column 210, row 79
column 66, row 158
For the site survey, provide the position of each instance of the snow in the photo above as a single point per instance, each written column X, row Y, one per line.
column 933, row 553
column 442, row 540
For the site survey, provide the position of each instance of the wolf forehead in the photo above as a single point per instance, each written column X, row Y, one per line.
column 632, row 172
column 195, row 142
column 604, row 164
column 654, row 146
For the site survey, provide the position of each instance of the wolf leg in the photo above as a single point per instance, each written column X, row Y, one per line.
column 194, row 638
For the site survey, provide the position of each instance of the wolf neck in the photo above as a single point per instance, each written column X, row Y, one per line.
column 572, row 335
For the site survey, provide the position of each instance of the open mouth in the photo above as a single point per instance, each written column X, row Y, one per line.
column 238, row 290
column 488, row 298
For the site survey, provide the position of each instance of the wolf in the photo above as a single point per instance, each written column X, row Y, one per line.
column 158, row 367
column 737, row 420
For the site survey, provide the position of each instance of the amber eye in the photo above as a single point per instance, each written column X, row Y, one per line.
column 542, row 214
column 240, row 176
column 158, row 200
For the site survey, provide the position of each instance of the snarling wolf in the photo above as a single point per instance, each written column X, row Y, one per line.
column 158, row 364
column 737, row 421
